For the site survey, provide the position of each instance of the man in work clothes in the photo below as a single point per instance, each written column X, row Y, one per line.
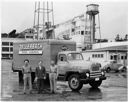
column 40, row 76
column 53, row 76
column 26, row 70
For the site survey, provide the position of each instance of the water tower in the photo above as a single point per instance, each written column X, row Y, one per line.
column 92, row 11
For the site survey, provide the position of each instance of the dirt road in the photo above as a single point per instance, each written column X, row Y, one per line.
column 112, row 89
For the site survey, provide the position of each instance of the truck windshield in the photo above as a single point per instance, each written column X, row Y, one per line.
column 75, row 56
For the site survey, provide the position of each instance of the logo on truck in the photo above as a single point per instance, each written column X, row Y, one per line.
column 34, row 48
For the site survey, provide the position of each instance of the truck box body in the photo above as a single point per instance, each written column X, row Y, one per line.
column 34, row 51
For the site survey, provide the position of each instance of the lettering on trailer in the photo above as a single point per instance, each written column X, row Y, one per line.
column 64, row 48
column 33, row 48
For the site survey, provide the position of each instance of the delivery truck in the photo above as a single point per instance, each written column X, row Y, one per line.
column 70, row 63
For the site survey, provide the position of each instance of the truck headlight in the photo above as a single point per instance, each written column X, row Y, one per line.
column 87, row 74
column 102, row 73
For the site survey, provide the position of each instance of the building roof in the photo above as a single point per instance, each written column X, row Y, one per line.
column 111, row 48
column 12, row 39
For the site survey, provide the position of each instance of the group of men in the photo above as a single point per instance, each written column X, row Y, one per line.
column 40, row 76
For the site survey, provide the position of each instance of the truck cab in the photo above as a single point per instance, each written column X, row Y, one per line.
column 73, row 68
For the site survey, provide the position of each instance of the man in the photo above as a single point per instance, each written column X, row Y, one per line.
column 40, row 76
column 26, row 70
column 53, row 76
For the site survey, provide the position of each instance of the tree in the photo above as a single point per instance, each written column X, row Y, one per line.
column 4, row 35
column 21, row 35
column 13, row 34
column 117, row 37
column 126, row 37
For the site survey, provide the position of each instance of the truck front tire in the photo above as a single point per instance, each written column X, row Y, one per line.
column 95, row 84
column 74, row 82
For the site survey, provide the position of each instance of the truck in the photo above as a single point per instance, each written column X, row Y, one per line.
column 70, row 63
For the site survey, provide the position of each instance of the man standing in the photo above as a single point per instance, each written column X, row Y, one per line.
column 53, row 76
column 26, row 70
column 40, row 76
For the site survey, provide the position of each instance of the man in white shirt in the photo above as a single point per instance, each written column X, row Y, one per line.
column 53, row 76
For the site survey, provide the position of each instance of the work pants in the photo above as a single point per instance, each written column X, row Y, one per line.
column 40, row 84
column 27, row 79
column 53, row 78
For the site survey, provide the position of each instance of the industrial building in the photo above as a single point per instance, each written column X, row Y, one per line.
column 7, row 47
column 73, row 29
column 102, row 52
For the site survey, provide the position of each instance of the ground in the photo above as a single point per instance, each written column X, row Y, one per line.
column 114, row 88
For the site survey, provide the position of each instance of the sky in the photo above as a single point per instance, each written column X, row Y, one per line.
column 20, row 15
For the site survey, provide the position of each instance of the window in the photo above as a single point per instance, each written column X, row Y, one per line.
column 122, row 57
column 5, row 55
column 11, row 55
column 5, row 49
column 11, row 43
column 125, row 57
column 11, row 48
column 115, row 57
column 111, row 57
column 5, row 43
column 82, row 32
column 102, row 55
column 62, row 57
column 29, row 36
column 99, row 55
column 93, row 55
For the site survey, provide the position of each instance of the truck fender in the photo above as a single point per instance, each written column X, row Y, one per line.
column 69, row 74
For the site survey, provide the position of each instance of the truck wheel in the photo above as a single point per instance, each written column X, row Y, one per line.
column 74, row 82
column 95, row 84
column 108, row 70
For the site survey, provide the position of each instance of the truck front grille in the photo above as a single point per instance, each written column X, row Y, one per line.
column 95, row 74
column 96, row 68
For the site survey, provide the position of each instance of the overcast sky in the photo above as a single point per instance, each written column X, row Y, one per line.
column 20, row 15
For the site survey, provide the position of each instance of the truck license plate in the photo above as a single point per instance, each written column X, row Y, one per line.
column 96, row 79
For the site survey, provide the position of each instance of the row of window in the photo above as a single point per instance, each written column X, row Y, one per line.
column 97, row 55
column 123, row 57
column 7, row 43
column 114, row 57
column 7, row 56
column 6, row 49
column 82, row 32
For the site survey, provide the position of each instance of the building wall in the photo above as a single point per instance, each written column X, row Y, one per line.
column 102, row 56
column 7, row 47
column 75, row 29
column 95, row 56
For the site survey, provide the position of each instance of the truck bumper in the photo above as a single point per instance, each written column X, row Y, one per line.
column 87, row 80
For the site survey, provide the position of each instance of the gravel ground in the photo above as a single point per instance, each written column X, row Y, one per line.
column 112, row 89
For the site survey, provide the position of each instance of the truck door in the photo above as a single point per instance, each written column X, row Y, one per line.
column 62, row 64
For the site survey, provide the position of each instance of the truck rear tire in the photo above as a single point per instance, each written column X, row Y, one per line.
column 74, row 82
column 95, row 84
column 108, row 70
